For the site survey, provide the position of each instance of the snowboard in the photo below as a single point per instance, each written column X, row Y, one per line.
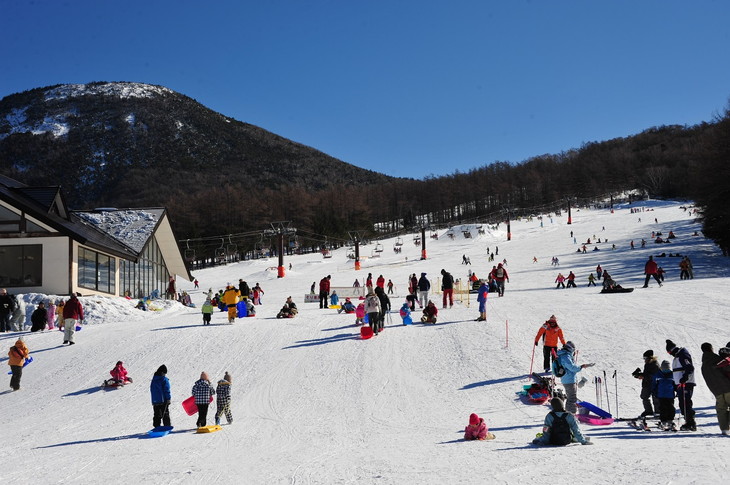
column 618, row 290
column 159, row 431
column 211, row 428
column 28, row 360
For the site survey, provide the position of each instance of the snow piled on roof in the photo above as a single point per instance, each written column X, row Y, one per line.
column 121, row 90
column 131, row 227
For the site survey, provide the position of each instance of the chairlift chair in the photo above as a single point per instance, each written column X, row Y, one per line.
column 189, row 253
column 378, row 248
column 231, row 249
column 399, row 241
column 220, row 253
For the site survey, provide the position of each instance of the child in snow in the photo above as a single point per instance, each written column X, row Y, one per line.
column 223, row 402
column 16, row 359
column 359, row 314
column 665, row 390
column 482, row 295
column 347, row 307
column 207, row 310
column 51, row 315
column 560, row 428
column 405, row 314
column 429, row 313
column 334, row 299
column 119, row 375
column 251, row 309
column 203, row 392
column 39, row 318
column 477, row 429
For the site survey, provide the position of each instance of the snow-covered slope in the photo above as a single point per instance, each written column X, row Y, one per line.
column 315, row 404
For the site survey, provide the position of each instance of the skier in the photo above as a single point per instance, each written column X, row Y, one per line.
column 482, row 295
column 591, row 279
column 560, row 427
column 568, row 379
column 223, row 401
column 550, row 333
column 160, row 392
column 560, row 280
column 571, row 280
column 718, row 381
column 651, row 369
column 664, row 389
column 16, row 359
column 650, row 270
column 447, row 286
column 684, row 378
column 477, row 429
column 203, row 391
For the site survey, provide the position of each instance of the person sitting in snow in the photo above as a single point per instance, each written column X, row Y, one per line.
column 251, row 308
column 289, row 310
column 405, row 314
column 430, row 313
column 119, row 376
column 477, row 429
column 141, row 305
column 347, row 307
column 560, row 428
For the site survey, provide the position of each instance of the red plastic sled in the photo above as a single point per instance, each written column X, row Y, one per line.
column 366, row 332
column 190, row 407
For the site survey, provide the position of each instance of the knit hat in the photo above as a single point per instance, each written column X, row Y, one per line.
column 162, row 369
column 724, row 352
column 665, row 365
column 473, row 419
column 671, row 346
column 557, row 404
column 553, row 319
column 120, row 363
column 204, row 376
column 569, row 346
column 706, row 347
column 648, row 353
column 423, row 274
column 228, row 377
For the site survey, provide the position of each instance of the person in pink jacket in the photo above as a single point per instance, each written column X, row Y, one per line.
column 477, row 429
column 359, row 314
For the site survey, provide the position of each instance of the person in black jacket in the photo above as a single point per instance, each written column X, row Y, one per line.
column 423, row 286
column 384, row 306
column 718, row 381
column 7, row 306
column 651, row 368
column 38, row 318
column 447, row 286
column 683, row 371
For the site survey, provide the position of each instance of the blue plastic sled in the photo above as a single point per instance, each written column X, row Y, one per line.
column 241, row 309
column 407, row 320
column 159, row 431
column 28, row 360
column 595, row 409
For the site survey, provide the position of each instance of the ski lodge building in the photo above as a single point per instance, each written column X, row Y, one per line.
column 47, row 248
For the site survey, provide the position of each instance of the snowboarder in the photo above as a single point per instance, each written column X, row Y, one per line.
column 160, row 392
column 16, row 359
column 683, row 372
column 550, row 333
column 560, row 427
column 202, row 392
column 477, row 429
column 223, row 401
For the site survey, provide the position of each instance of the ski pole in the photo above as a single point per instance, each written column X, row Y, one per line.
column 608, row 397
column 615, row 382
column 532, row 359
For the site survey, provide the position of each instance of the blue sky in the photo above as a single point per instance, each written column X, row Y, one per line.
column 407, row 88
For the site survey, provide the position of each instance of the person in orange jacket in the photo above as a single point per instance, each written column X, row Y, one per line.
column 16, row 358
column 550, row 332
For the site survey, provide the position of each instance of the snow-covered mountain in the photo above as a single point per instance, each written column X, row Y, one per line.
column 313, row 403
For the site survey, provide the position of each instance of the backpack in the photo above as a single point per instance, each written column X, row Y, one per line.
column 558, row 369
column 560, row 434
column 500, row 273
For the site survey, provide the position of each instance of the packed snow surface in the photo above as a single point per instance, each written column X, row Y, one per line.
column 313, row 403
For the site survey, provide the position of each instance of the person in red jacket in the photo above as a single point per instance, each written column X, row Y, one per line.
column 430, row 312
column 73, row 313
column 500, row 276
column 650, row 269
column 324, row 291
column 550, row 332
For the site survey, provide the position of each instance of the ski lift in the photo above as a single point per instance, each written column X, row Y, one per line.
column 378, row 248
column 399, row 241
column 231, row 248
column 220, row 253
column 189, row 253
column 350, row 253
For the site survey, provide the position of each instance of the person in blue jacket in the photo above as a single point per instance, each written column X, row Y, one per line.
column 160, row 391
column 566, row 360
column 482, row 294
